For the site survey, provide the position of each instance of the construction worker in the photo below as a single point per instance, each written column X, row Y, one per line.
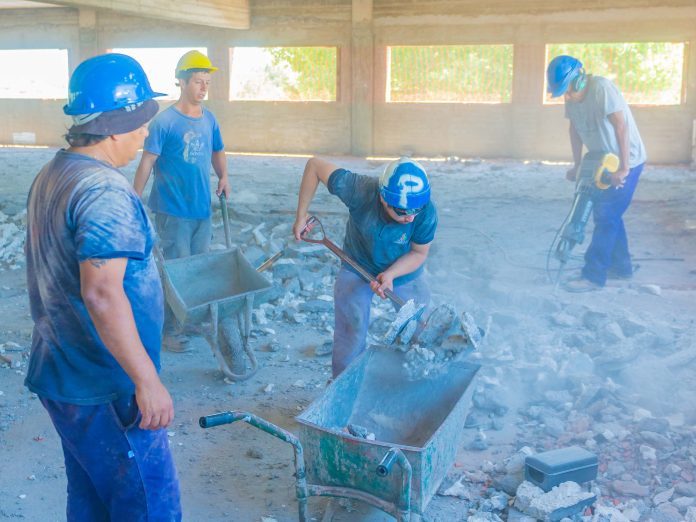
column 390, row 227
column 97, row 306
column 601, row 120
column 184, row 141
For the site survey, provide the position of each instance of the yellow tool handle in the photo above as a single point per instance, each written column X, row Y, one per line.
column 610, row 162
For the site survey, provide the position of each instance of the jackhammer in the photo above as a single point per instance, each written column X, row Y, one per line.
column 594, row 175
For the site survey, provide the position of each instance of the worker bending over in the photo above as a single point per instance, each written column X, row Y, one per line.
column 390, row 227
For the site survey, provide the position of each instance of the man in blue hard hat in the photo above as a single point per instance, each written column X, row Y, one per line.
column 97, row 305
column 601, row 120
column 391, row 224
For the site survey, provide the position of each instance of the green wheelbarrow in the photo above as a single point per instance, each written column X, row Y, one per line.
column 220, row 287
column 417, row 424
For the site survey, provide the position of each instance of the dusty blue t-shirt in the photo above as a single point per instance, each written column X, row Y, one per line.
column 78, row 209
column 590, row 119
column 373, row 239
column 185, row 147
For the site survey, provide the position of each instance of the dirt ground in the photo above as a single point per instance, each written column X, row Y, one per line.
column 611, row 371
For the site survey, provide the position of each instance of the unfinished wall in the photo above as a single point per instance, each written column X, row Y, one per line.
column 361, row 122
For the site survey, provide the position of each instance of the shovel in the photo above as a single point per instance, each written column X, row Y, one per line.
column 409, row 314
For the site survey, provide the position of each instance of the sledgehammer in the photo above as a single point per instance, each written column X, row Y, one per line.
column 409, row 314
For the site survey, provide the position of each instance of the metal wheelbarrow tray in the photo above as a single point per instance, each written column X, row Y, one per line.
column 221, row 287
column 223, row 278
column 418, row 424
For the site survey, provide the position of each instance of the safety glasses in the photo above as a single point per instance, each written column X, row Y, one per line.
column 406, row 211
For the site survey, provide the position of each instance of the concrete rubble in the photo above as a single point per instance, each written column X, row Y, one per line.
column 12, row 236
column 612, row 372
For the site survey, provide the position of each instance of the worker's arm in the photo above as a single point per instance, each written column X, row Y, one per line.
column 142, row 174
column 219, row 162
column 618, row 121
column 409, row 262
column 101, row 284
column 316, row 170
column 576, row 146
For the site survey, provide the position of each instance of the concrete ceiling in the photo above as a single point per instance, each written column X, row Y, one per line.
column 228, row 14
column 21, row 4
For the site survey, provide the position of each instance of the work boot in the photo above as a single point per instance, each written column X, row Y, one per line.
column 176, row 344
column 580, row 285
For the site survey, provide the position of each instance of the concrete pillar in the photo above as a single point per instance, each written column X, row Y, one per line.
column 88, row 42
column 362, row 78
column 219, row 55
column 527, row 97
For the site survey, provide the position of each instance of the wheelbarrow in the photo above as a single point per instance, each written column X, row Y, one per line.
column 221, row 287
column 417, row 426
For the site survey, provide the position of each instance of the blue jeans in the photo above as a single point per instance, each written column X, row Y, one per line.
column 609, row 247
column 181, row 237
column 352, row 299
column 116, row 471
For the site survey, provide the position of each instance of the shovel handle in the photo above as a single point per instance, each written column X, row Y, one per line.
column 344, row 257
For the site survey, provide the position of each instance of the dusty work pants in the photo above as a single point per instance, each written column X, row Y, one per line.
column 608, row 250
column 116, row 471
column 181, row 237
column 352, row 299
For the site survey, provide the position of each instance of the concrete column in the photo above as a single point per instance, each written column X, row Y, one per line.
column 362, row 78
column 88, row 42
column 527, row 98
column 219, row 54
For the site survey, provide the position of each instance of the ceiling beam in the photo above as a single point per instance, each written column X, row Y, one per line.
column 227, row 14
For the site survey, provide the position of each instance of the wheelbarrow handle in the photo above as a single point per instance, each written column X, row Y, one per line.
column 218, row 419
column 225, row 219
column 344, row 257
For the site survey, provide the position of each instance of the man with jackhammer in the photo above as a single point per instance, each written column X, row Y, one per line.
column 391, row 224
column 601, row 120
column 97, row 305
column 184, row 141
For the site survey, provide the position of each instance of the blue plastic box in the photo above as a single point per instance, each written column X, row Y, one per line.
column 552, row 468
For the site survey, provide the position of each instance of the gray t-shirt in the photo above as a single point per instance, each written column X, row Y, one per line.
column 373, row 239
column 590, row 119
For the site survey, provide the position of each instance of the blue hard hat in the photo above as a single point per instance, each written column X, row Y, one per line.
column 106, row 83
column 560, row 72
column 404, row 184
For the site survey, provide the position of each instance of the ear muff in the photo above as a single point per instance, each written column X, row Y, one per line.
column 580, row 81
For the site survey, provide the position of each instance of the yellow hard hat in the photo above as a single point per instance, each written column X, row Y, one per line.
column 194, row 60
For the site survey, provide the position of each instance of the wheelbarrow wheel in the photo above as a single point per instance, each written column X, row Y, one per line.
column 232, row 345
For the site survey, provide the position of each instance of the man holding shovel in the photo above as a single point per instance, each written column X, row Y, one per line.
column 390, row 227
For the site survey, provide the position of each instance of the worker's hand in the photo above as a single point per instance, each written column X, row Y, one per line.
column 385, row 281
column 572, row 173
column 300, row 226
column 155, row 405
column 618, row 178
column 223, row 186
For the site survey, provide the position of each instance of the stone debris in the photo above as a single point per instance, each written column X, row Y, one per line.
column 403, row 317
column 12, row 235
column 254, row 453
column 562, row 501
column 360, row 431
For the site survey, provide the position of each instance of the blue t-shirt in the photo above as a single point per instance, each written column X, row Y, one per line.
column 373, row 239
column 78, row 209
column 185, row 147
